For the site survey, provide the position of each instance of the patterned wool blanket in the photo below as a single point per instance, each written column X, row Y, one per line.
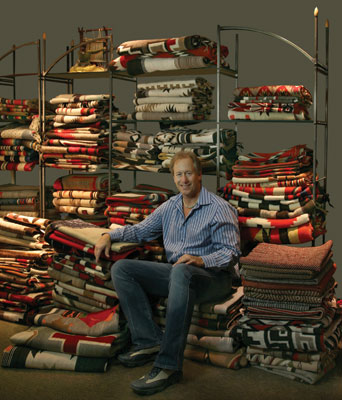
column 16, row 131
column 172, row 45
column 83, row 182
column 81, row 235
column 134, row 198
column 298, row 91
column 100, row 323
column 75, row 98
column 170, row 116
column 234, row 360
column 44, row 338
column 137, row 66
column 61, row 295
column 25, row 357
column 79, row 194
column 272, row 223
column 288, row 335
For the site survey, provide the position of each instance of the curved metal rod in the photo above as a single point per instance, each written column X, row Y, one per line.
column 274, row 35
column 14, row 48
column 70, row 50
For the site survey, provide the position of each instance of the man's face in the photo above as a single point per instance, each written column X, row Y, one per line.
column 186, row 179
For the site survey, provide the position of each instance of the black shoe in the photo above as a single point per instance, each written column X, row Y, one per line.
column 137, row 358
column 157, row 380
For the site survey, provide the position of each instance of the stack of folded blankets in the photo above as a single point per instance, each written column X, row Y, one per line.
column 20, row 199
column 203, row 143
column 273, row 193
column 209, row 338
column 133, row 150
column 80, row 283
column 63, row 339
column 83, row 195
column 19, row 146
column 179, row 53
column 21, row 110
column 131, row 207
column 270, row 103
column 25, row 285
column 78, row 138
column 153, row 152
column 173, row 100
column 292, row 325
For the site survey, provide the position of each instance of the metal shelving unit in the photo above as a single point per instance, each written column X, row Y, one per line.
column 319, row 67
column 11, row 79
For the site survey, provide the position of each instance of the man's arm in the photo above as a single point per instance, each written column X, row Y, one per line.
column 146, row 230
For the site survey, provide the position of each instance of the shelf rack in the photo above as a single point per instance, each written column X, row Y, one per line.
column 11, row 79
column 318, row 67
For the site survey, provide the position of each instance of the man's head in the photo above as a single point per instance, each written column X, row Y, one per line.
column 187, row 173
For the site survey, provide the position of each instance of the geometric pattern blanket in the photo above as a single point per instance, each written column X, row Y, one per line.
column 100, row 323
column 44, row 338
column 25, row 357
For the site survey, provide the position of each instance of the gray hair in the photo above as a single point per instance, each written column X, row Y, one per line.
column 180, row 155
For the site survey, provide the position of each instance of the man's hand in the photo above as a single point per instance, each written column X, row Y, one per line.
column 191, row 260
column 102, row 244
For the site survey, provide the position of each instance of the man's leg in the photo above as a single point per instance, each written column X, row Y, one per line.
column 188, row 285
column 133, row 280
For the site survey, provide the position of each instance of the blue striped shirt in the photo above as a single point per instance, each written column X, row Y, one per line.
column 210, row 230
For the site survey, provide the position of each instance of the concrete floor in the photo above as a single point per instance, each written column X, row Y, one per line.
column 199, row 382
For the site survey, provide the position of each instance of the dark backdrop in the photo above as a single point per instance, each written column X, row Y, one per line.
column 263, row 60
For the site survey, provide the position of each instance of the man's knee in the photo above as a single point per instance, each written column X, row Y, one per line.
column 119, row 267
column 180, row 272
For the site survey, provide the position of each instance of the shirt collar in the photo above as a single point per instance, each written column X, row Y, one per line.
column 203, row 199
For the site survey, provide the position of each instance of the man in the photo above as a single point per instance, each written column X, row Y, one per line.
column 201, row 240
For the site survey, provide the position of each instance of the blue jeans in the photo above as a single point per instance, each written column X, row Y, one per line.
column 184, row 286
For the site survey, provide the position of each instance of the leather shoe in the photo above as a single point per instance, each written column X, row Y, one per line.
column 157, row 380
column 136, row 358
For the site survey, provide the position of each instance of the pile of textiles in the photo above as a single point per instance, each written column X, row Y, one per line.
column 78, row 137
column 203, row 143
column 83, row 195
column 19, row 198
column 131, row 207
column 62, row 339
column 270, row 103
column 19, row 147
column 209, row 339
column 24, row 200
column 273, row 193
column 18, row 109
column 80, row 283
column 173, row 100
column 291, row 324
column 135, row 150
column 25, row 285
column 151, row 55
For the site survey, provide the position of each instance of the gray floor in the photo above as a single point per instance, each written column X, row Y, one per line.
column 200, row 382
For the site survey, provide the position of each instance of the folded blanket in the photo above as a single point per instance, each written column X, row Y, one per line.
column 275, row 90
column 25, row 357
column 44, row 338
column 276, row 256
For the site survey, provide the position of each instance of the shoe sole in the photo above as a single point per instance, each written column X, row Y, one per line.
column 148, row 391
